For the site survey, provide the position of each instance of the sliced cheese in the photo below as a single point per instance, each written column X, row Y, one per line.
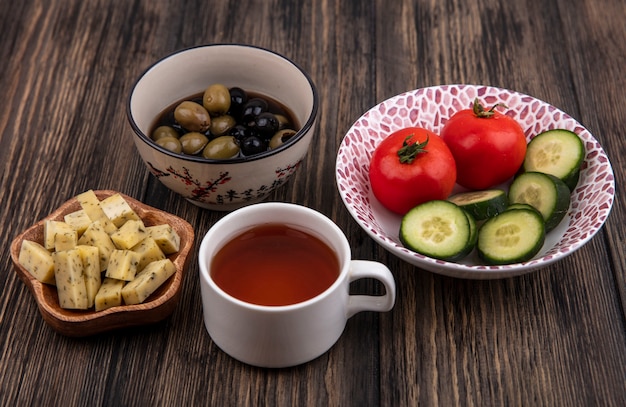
column 147, row 281
column 131, row 233
column 148, row 251
column 90, row 256
column 102, row 236
column 118, row 210
column 122, row 265
column 68, row 270
column 110, row 294
column 95, row 235
column 91, row 205
column 78, row 220
column 166, row 237
column 49, row 231
column 59, row 236
column 38, row 261
column 65, row 240
column 58, row 232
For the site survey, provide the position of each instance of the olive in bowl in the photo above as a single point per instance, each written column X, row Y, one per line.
column 223, row 182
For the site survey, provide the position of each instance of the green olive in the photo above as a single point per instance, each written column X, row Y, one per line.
column 283, row 121
column 221, row 124
column 170, row 143
column 221, row 148
column 164, row 131
column 193, row 142
column 192, row 116
column 281, row 137
column 216, row 99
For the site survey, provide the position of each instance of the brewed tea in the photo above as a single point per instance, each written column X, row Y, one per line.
column 275, row 264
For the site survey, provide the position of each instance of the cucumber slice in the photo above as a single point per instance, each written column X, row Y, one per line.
column 556, row 152
column 521, row 206
column 438, row 229
column 513, row 236
column 481, row 204
column 545, row 192
column 473, row 231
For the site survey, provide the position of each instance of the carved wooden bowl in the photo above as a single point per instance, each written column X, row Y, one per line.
column 78, row 323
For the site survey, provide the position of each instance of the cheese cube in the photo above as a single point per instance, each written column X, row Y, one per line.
column 146, row 282
column 122, row 265
column 95, row 235
column 65, row 240
column 78, row 220
column 118, row 210
column 110, row 294
column 38, row 261
column 90, row 256
column 91, row 205
column 166, row 237
column 131, row 233
column 68, row 270
column 53, row 228
column 49, row 231
column 148, row 251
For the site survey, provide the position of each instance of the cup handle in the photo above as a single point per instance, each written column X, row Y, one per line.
column 370, row 269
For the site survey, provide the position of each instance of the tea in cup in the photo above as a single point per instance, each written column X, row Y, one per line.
column 275, row 280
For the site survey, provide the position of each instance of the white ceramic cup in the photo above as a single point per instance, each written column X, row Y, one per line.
column 282, row 336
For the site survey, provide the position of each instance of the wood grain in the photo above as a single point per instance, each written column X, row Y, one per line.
column 554, row 337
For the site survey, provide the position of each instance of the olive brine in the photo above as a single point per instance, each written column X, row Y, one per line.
column 223, row 123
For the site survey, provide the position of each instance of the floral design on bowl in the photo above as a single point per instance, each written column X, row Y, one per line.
column 205, row 193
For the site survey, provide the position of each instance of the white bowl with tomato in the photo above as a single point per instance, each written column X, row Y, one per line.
column 407, row 165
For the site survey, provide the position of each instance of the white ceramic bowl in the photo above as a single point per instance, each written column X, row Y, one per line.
column 222, row 184
column 591, row 201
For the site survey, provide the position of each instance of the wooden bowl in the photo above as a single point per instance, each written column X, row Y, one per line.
column 78, row 323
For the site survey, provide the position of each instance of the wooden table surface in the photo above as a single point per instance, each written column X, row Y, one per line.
column 553, row 337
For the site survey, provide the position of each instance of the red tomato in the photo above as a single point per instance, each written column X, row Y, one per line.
column 411, row 166
column 488, row 146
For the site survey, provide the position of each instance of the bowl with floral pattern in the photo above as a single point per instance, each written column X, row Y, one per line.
column 591, row 200
column 224, row 183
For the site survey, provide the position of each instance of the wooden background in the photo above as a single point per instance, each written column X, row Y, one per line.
column 554, row 337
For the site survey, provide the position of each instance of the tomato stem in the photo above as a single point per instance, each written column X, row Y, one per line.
column 479, row 110
column 409, row 151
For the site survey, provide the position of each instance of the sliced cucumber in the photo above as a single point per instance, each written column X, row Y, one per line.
column 545, row 192
column 481, row 204
column 513, row 236
column 438, row 229
column 556, row 152
column 473, row 231
column 521, row 206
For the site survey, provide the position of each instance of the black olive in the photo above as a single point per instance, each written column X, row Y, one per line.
column 266, row 124
column 238, row 98
column 253, row 145
column 179, row 129
column 168, row 119
column 240, row 132
column 252, row 109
